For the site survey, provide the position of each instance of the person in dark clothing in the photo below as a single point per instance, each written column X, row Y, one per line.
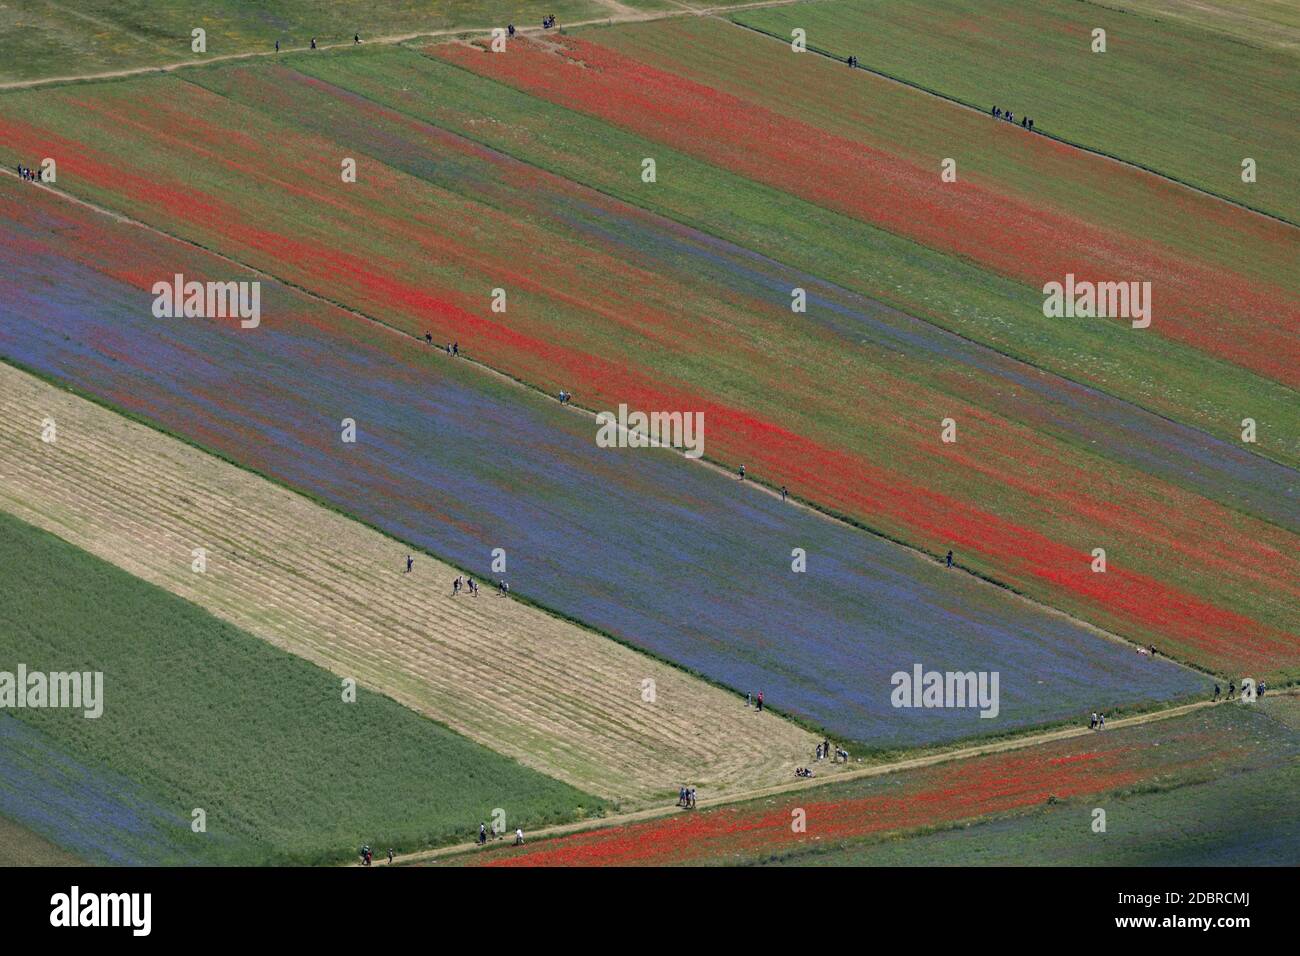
column 949, row 559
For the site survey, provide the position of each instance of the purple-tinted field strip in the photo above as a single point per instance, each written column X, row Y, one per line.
column 666, row 555
column 96, row 814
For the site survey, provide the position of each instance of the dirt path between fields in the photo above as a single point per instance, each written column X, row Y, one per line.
column 563, row 700
column 794, row 786
column 619, row 13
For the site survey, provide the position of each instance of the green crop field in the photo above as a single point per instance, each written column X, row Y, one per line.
column 1179, row 99
column 198, row 714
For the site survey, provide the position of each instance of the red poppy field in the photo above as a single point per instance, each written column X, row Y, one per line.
column 1075, row 775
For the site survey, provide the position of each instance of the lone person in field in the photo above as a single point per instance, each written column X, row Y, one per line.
column 949, row 558
column 784, row 493
column 519, row 836
column 409, row 561
column 742, row 472
column 313, row 43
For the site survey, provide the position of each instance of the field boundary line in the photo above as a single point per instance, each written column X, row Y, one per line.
column 1082, row 147
column 796, row 786
column 824, row 513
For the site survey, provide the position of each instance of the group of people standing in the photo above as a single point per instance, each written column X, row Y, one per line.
column 368, row 855
column 824, row 753
column 463, row 583
column 1010, row 117
column 496, row 835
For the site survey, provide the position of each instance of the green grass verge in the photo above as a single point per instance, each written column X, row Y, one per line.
column 1166, row 95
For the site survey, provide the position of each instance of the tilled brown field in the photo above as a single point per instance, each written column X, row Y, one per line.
column 560, row 699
